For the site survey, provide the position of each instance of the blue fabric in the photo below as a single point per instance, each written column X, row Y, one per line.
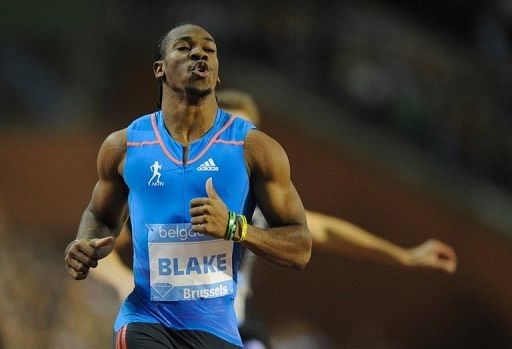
column 161, row 188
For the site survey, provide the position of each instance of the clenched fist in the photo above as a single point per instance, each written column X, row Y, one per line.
column 434, row 254
column 81, row 255
column 210, row 214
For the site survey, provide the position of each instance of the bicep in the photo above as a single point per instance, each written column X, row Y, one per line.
column 272, row 186
column 109, row 197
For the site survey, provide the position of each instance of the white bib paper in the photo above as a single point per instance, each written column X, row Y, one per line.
column 186, row 265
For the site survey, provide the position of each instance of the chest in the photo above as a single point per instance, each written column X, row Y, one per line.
column 152, row 175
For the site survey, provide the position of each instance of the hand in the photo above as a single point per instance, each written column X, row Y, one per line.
column 434, row 254
column 81, row 255
column 209, row 215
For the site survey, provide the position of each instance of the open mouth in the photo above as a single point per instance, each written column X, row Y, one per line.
column 200, row 69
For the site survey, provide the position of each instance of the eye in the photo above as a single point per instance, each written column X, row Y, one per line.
column 183, row 48
column 209, row 50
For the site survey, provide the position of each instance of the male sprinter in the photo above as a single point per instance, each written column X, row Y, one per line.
column 189, row 223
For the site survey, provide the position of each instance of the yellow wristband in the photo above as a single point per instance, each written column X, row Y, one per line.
column 243, row 234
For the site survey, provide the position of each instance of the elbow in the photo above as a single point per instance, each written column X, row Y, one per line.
column 305, row 255
column 302, row 263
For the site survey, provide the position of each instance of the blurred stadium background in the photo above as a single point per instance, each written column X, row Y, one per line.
column 396, row 115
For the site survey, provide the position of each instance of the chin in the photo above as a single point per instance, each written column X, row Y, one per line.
column 198, row 92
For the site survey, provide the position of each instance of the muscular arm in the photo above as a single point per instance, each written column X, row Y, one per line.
column 103, row 217
column 287, row 242
column 339, row 236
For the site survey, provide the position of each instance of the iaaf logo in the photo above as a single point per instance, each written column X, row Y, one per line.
column 208, row 166
column 154, row 181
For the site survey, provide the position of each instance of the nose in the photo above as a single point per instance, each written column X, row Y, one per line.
column 198, row 54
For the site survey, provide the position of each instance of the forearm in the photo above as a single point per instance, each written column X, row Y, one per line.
column 288, row 246
column 344, row 238
column 91, row 226
column 361, row 244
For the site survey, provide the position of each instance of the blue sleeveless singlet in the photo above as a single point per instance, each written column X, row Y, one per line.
column 183, row 279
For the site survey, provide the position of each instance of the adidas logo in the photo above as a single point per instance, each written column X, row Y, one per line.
column 208, row 166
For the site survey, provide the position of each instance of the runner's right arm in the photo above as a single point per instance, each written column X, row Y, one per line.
column 106, row 212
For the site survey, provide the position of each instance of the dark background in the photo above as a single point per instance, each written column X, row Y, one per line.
column 396, row 115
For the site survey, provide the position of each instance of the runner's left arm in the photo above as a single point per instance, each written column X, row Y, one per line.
column 287, row 242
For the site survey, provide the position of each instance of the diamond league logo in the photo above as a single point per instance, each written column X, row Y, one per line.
column 163, row 288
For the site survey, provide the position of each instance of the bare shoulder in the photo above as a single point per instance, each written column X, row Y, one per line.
column 264, row 154
column 116, row 140
column 112, row 153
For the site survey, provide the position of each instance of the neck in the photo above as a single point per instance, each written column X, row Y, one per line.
column 187, row 121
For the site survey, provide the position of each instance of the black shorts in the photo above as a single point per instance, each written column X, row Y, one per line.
column 140, row 335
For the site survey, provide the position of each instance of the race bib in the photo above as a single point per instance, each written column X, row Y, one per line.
column 186, row 265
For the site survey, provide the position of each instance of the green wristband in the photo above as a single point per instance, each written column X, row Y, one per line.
column 231, row 226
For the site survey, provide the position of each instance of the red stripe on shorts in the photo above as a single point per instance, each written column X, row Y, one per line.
column 123, row 338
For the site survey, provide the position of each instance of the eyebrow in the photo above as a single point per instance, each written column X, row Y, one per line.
column 189, row 38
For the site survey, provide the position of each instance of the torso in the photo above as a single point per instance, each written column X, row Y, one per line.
column 179, row 273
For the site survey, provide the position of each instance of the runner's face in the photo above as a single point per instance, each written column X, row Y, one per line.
column 191, row 60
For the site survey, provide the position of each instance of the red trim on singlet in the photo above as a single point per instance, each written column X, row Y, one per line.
column 222, row 141
column 214, row 138
column 140, row 144
column 208, row 146
column 162, row 145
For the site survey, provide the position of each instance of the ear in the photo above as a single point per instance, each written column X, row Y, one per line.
column 159, row 69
